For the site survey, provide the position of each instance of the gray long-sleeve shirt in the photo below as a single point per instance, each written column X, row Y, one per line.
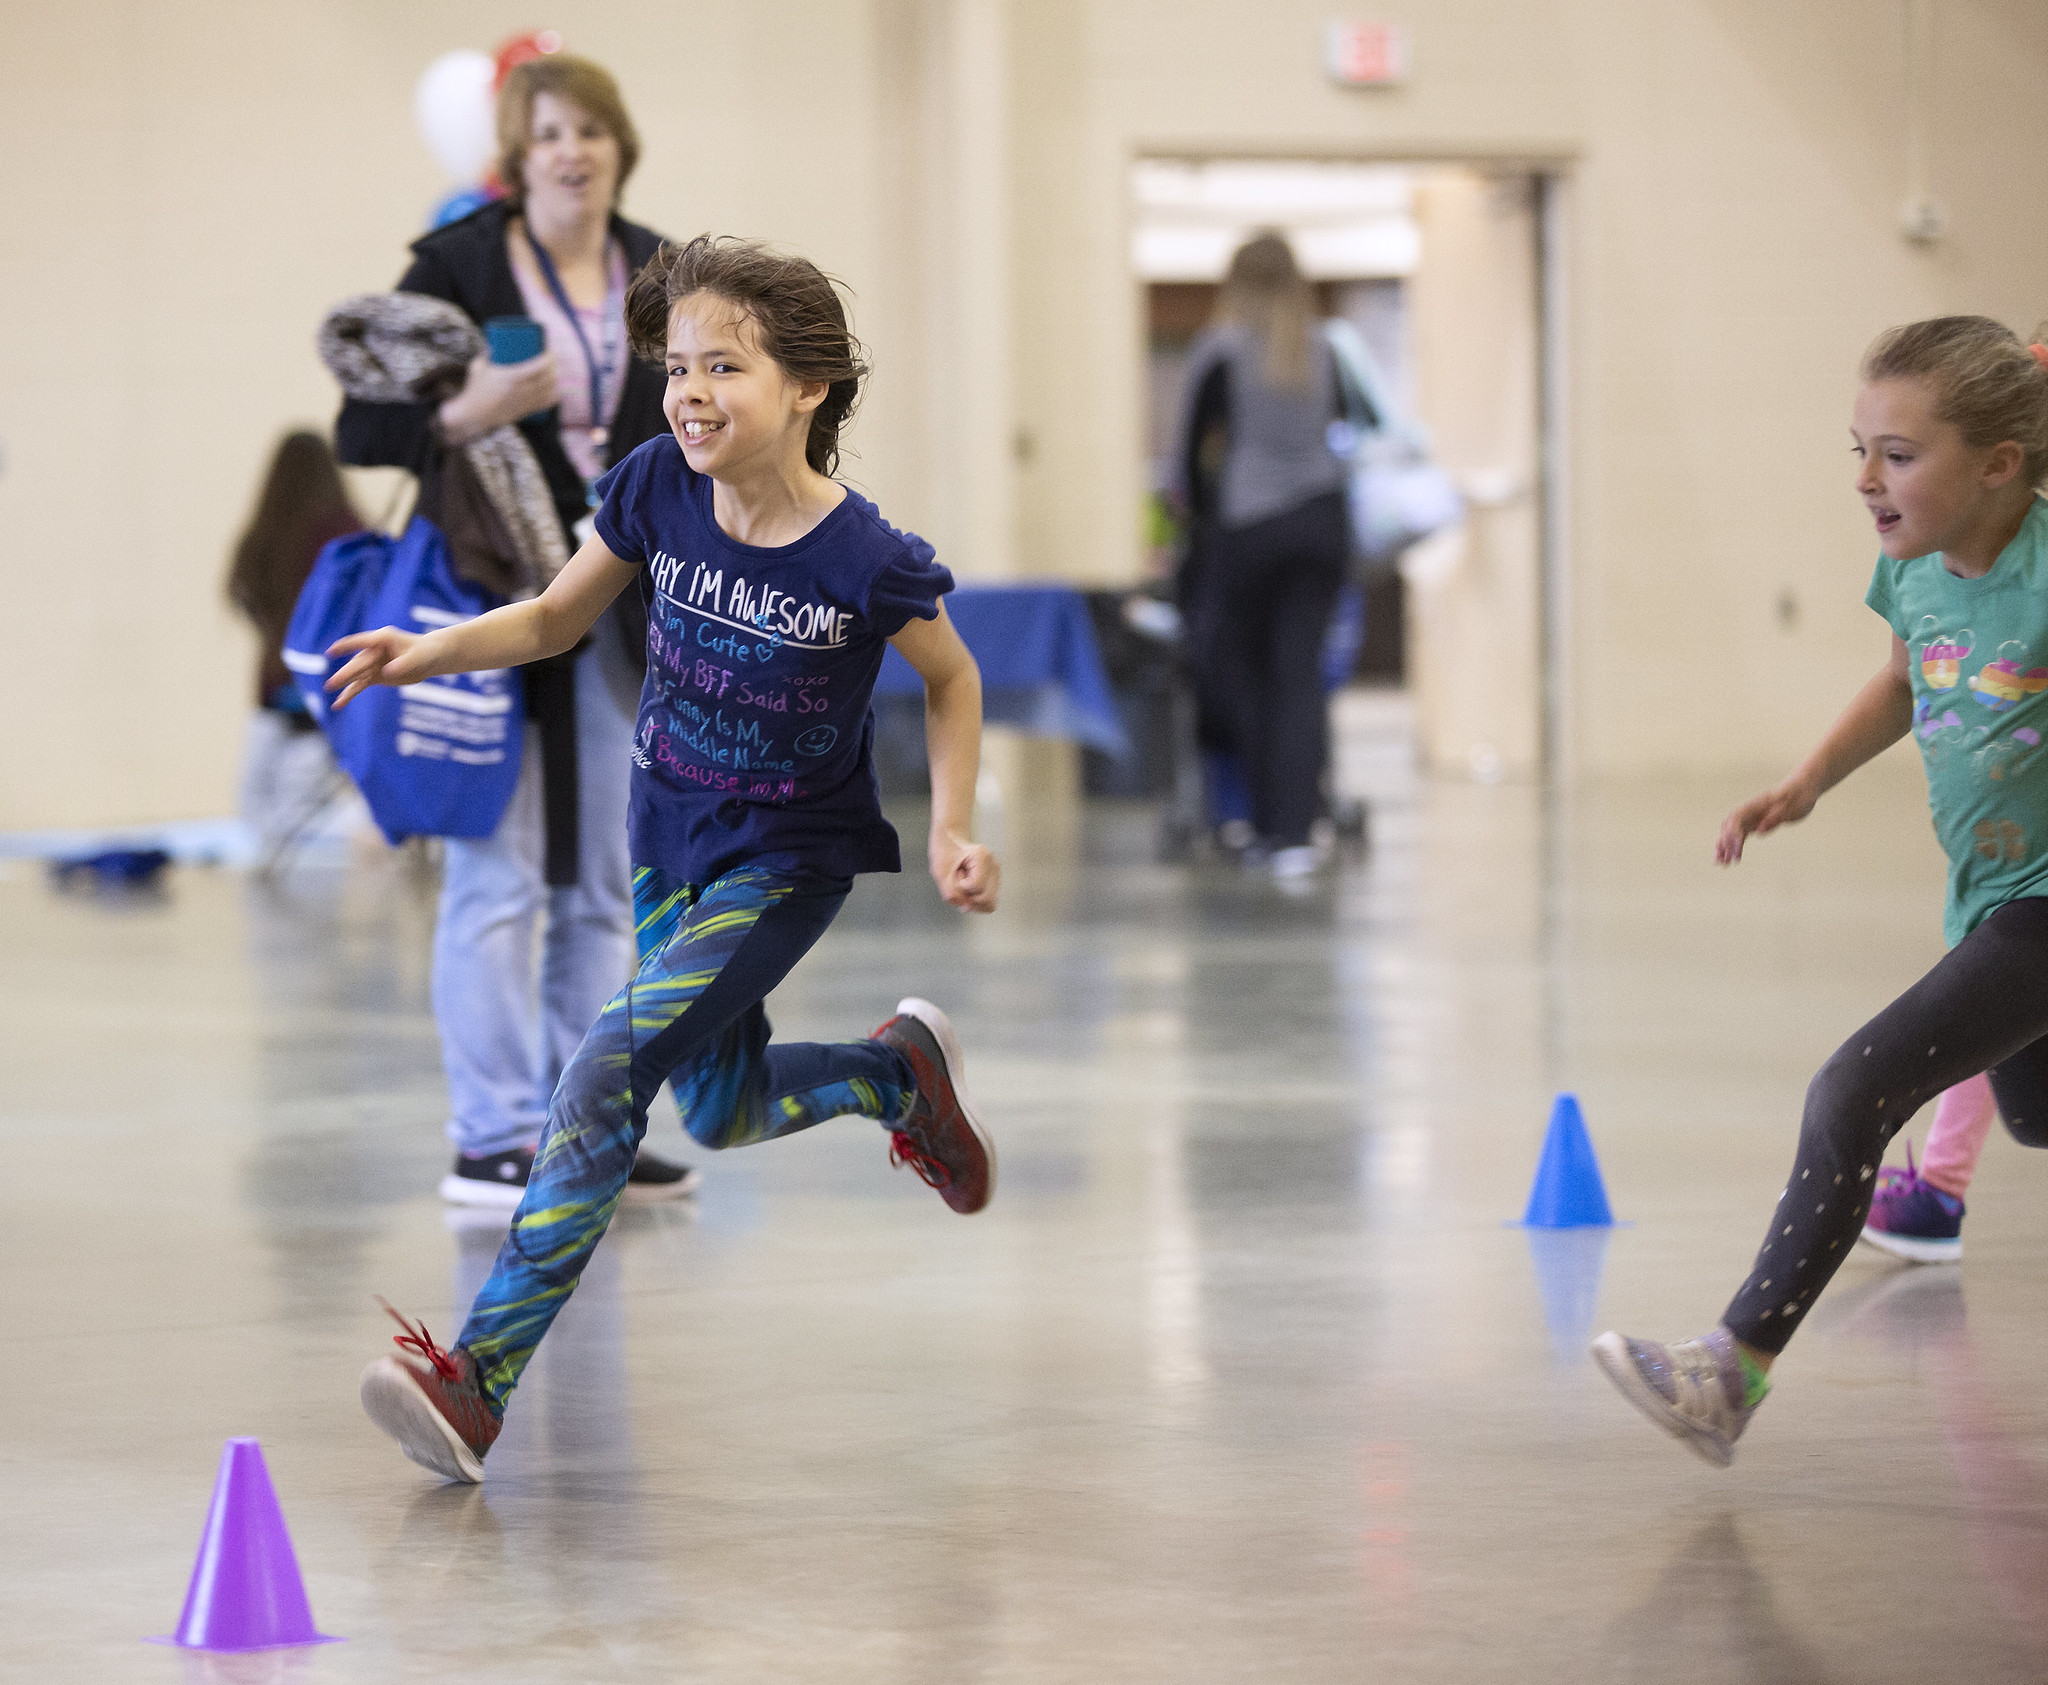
column 1279, row 455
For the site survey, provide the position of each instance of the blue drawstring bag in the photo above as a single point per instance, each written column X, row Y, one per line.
column 435, row 759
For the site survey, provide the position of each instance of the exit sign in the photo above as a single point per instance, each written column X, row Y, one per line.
column 1365, row 55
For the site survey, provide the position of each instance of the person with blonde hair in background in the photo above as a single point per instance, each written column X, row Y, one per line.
column 1271, row 537
column 554, row 249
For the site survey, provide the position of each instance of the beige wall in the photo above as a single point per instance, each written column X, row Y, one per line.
column 205, row 179
column 1475, row 594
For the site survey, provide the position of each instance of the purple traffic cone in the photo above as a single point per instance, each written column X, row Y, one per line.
column 246, row 1593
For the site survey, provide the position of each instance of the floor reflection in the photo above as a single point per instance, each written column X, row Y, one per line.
column 1569, row 1264
column 1711, row 1619
column 1917, row 1311
column 345, row 1073
column 252, row 1667
column 1240, row 1379
column 1921, row 1313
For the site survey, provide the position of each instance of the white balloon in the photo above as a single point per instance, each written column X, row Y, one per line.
column 457, row 113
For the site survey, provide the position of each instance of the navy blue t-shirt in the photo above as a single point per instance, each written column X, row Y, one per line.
column 754, row 745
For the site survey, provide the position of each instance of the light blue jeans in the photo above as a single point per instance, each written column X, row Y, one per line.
column 511, row 1016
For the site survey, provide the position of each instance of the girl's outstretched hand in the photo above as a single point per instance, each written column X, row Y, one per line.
column 1787, row 804
column 382, row 657
column 968, row 875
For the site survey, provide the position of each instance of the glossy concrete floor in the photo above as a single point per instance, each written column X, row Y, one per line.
column 1242, row 1378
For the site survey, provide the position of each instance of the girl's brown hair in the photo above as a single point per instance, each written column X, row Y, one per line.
column 583, row 84
column 302, row 504
column 1265, row 294
column 1987, row 384
column 795, row 310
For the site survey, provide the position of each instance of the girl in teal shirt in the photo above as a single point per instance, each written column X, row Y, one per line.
column 1951, row 432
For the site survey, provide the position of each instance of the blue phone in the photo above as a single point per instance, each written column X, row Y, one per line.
column 515, row 339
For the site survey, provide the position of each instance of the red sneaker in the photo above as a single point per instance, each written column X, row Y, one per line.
column 941, row 1139
column 431, row 1404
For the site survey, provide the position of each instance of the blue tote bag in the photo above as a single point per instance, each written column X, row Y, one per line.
column 435, row 759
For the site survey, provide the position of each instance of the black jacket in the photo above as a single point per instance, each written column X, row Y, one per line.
column 465, row 263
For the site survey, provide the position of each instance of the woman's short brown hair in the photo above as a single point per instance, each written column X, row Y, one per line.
column 795, row 309
column 587, row 86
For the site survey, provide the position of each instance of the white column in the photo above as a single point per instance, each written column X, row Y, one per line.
column 947, row 359
column 983, row 400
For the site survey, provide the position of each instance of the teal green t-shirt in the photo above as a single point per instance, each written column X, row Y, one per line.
column 1980, row 713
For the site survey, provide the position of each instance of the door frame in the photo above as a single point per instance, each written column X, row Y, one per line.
column 1550, row 170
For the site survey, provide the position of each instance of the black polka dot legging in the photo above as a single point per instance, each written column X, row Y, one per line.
column 1983, row 1008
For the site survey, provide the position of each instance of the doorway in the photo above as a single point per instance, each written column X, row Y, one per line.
column 1444, row 271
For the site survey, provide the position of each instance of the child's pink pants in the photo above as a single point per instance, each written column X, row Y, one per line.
column 1962, row 1119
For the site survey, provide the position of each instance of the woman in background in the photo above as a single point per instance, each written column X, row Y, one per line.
column 1270, row 539
column 555, row 249
column 302, row 506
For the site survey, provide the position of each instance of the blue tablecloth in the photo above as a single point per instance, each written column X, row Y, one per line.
column 1040, row 669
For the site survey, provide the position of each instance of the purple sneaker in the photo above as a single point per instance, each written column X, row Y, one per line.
column 1913, row 1219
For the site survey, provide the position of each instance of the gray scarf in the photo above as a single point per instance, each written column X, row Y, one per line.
column 489, row 496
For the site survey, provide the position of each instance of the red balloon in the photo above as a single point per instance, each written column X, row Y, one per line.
column 517, row 49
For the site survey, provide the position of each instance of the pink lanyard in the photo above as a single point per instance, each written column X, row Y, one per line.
column 599, row 373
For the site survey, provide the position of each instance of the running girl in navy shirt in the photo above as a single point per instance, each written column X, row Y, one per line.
column 771, row 591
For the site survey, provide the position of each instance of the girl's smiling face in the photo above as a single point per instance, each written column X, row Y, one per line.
column 730, row 404
column 1924, row 486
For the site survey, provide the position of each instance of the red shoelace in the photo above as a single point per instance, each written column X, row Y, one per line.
column 903, row 1149
column 418, row 1339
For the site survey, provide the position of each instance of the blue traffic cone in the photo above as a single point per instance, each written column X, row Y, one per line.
column 1568, row 1193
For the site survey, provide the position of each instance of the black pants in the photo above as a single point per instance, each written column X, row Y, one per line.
column 1265, row 596
column 1983, row 1008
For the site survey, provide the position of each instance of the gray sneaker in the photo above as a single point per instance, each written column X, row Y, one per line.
column 1692, row 1390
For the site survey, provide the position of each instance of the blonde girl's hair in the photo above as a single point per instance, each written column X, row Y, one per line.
column 798, row 317
column 1265, row 294
column 1987, row 384
column 583, row 84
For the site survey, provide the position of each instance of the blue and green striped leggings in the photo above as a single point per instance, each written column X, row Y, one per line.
column 692, row 1016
